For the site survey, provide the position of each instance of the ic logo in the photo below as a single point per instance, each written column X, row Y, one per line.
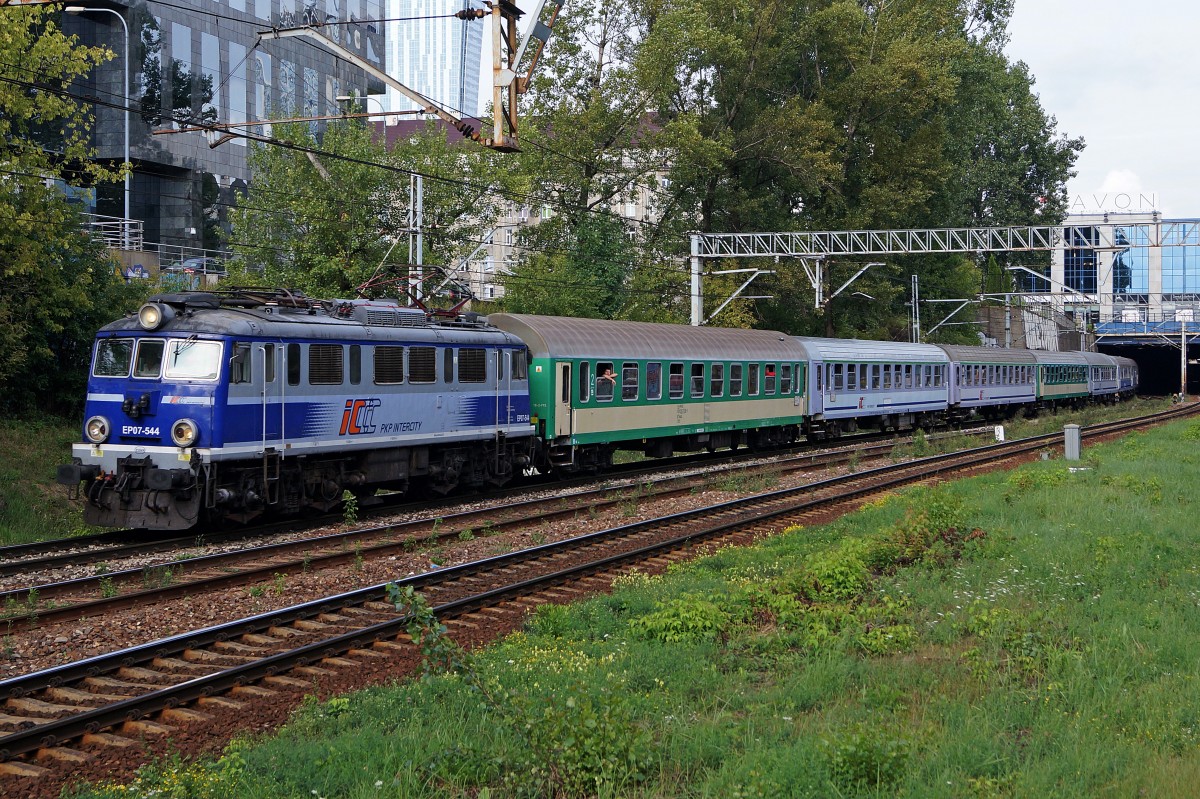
column 357, row 417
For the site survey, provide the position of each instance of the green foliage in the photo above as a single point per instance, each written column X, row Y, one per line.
column 576, row 743
column 865, row 757
column 688, row 619
column 349, row 507
column 839, row 573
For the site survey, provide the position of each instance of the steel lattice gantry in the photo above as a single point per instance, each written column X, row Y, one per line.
column 866, row 243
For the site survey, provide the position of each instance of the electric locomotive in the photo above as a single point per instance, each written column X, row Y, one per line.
column 228, row 405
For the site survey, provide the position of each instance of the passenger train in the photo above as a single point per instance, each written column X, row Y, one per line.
column 229, row 405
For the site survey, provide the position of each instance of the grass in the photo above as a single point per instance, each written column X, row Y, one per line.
column 995, row 637
column 33, row 506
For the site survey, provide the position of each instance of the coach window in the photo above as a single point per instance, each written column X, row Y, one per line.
column 422, row 365
column 113, row 357
column 785, row 379
column 752, row 387
column 716, row 380
column 355, row 364
column 675, row 388
column 875, row 378
column 585, row 381
column 839, row 380
column 851, row 378
column 325, row 365
column 389, row 366
column 472, row 365
column 862, row 376
column 887, row 375
column 629, row 381
column 735, row 379
column 654, row 380
column 148, row 362
column 293, row 364
column 769, row 379
column 239, row 363
column 606, row 381
column 697, row 390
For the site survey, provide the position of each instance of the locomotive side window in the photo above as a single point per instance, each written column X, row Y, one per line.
column 520, row 365
column 676, row 387
column 293, row 364
column 716, row 382
column 735, row 379
column 606, row 381
column 113, row 356
column 355, row 364
column 448, row 365
column 629, row 381
column 654, row 380
column 697, row 388
column 325, row 364
column 389, row 365
column 269, row 362
column 422, row 365
column 193, row 360
column 501, row 357
column 148, row 362
column 472, row 365
column 239, row 363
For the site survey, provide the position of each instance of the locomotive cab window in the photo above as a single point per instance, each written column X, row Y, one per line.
column 113, row 357
column 520, row 365
column 148, row 362
column 188, row 359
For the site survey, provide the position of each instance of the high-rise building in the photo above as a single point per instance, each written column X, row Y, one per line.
column 204, row 62
column 435, row 53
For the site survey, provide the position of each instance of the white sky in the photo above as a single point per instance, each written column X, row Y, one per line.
column 1126, row 77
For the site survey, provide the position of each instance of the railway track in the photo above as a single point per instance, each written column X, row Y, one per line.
column 95, row 595
column 156, row 688
column 97, row 548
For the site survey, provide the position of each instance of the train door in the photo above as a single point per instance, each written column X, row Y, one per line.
column 268, row 378
column 816, row 388
column 563, row 413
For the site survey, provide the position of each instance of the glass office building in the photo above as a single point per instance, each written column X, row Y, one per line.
column 1126, row 273
column 204, row 62
column 435, row 53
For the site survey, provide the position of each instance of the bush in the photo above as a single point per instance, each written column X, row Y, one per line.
column 690, row 619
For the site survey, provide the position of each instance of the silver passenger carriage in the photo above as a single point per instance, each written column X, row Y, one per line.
column 990, row 381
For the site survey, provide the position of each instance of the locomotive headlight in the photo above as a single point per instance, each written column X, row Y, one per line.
column 184, row 433
column 97, row 429
column 153, row 315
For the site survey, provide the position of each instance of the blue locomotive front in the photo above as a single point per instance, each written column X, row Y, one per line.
column 207, row 407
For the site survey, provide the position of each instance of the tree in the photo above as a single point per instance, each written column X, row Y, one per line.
column 56, row 285
column 329, row 216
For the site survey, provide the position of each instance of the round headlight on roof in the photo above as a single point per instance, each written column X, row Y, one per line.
column 185, row 432
column 96, row 429
column 154, row 315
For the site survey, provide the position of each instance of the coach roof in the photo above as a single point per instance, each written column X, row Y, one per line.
column 563, row 337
